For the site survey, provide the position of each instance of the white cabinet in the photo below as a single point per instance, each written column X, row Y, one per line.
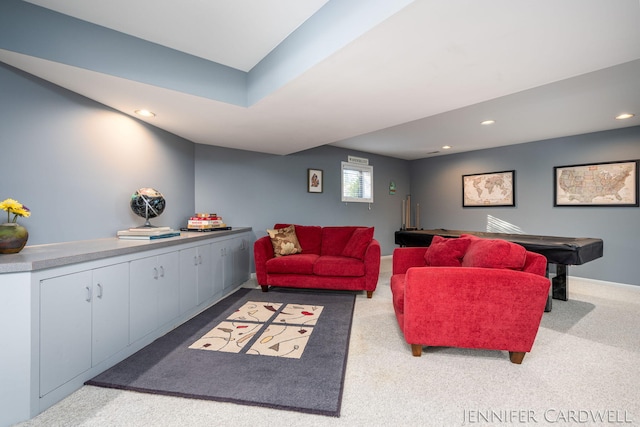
column 241, row 254
column 65, row 329
column 84, row 319
column 110, row 317
column 72, row 311
column 231, row 262
column 154, row 293
column 219, row 261
column 196, row 281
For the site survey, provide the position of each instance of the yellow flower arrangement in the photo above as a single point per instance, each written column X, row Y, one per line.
column 16, row 208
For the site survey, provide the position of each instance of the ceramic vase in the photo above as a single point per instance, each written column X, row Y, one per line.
column 13, row 237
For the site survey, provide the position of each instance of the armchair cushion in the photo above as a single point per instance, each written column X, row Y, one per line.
column 445, row 252
column 494, row 253
column 284, row 241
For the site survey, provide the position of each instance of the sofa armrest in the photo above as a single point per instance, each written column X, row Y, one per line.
column 372, row 265
column 404, row 258
column 262, row 252
column 474, row 306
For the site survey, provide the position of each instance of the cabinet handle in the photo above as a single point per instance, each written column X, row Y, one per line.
column 161, row 271
column 195, row 260
column 100, row 290
column 155, row 273
column 199, row 259
column 88, row 299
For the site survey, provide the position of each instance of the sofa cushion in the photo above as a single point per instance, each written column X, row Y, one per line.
column 358, row 242
column 334, row 239
column 284, row 241
column 494, row 253
column 294, row 264
column 329, row 265
column 309, row 236
column 445, row 252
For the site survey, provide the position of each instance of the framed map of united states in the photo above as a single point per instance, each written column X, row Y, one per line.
column 597, row 184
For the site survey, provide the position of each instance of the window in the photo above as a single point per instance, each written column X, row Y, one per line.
column 357, row 183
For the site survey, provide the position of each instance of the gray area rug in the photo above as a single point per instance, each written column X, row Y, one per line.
column 312, row 383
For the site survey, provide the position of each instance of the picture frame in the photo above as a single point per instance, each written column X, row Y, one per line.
column 490, row 189
column 314, row 181
column 608, row 184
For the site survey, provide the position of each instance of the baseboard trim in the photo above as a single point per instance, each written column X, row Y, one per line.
column 606, row 283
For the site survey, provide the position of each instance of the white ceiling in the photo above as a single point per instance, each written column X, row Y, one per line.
column 423, row 78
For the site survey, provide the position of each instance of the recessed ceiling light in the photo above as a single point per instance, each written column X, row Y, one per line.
column 624, row 116
column 145, row 113
column 487, row 122
column 446, row 147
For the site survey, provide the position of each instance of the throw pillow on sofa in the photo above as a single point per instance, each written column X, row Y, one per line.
column 358, row 243
column 443, row 252
column 284, row 241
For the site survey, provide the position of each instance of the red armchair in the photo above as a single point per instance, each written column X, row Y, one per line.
column 470, row 293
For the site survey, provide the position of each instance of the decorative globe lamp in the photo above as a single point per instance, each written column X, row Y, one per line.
column 147, row 203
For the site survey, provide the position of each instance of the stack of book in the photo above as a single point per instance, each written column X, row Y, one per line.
column 147, row 233
column 206, row 222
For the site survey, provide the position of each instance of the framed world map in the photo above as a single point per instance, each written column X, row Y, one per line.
column 597, row 184
column 489, row 189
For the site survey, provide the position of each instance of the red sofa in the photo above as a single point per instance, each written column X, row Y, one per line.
column 338, row 258
column 469, row 292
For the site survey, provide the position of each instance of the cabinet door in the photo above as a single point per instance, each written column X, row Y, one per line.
column 218, row 266
column 65, row 329
column 110, row 311
column 205, row 279
column 168, row 287
column 188, row 279
column 143, row 309
column 240, row 254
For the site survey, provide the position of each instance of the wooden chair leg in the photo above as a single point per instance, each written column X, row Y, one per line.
column 369, row 294
column 416, row 350
column 516, row 356
column 265, row 288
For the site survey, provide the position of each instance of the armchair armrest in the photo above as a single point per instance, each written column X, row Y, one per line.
column 262, row 252
column 405, row 258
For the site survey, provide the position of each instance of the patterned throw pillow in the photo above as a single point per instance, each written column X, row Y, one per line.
column 284, row 241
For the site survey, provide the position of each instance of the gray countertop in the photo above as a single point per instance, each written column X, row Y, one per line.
column 39, row 257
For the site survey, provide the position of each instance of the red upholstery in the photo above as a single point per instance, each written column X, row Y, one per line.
column 341, row 258
column 493, row 253
column 470, row 307
column 309, row 236
column 358, row 243
column 446, row 252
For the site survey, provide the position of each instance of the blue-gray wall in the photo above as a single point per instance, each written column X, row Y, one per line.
column 436, row 184
column 259, row 190
column 75, row 162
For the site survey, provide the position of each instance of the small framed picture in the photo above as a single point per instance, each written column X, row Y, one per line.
column 314, row 180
